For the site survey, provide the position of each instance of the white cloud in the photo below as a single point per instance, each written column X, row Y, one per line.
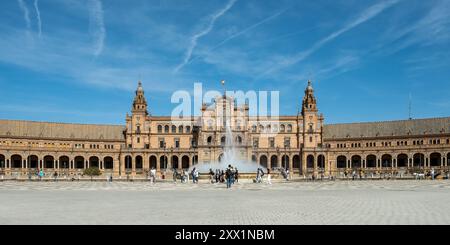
column 209, row 27
column 26, row 13
column 38, row 16
column 97, row 25
column 366, row 15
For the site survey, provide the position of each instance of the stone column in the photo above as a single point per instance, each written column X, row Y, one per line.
column 304, row 163
column 146, row 162
column 158, row 163
column 291, row 164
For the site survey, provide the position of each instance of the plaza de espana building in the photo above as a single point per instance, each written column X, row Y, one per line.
column 302, row 143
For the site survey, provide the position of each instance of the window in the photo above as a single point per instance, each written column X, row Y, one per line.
column 287, row 142
column 188, row 129
column 255, row 142
column 177, row 143
column 254, row 128
column 161, row 143
column 209, row 140
column 138, row 140
column 289, row 128
column 174, row 129
column 271, row 142
column 310, row 139
column 180, row 129
column 159, row 129
column 282, row 128
column 138, row 129
column 166, row 129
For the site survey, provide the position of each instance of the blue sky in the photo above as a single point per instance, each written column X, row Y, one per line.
column 80, row 60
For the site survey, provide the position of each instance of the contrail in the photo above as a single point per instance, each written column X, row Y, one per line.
column 26, row 13
column 203, row 32
column 97, row 24
column 38, row 15
column 366, row 15
column 240, row 33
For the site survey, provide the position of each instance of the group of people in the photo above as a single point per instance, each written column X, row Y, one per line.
column 259, row 176
column 184, row 175
column 221, row 176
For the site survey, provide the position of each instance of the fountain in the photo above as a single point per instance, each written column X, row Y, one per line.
column 231, row 150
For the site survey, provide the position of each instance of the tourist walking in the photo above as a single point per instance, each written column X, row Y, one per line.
column 41, row 174
column 153, row 175
column 211, row 176
column 228, row 174
column 175, row 174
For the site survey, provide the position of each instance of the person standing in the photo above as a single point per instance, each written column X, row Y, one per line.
column 175, row 173
column 153, row 175
column 269, row 180
column 228, row 174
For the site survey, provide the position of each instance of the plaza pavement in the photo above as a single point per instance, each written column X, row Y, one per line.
column 330, row 202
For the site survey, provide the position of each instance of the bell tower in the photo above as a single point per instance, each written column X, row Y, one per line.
column 138, row 124
column 312, row 121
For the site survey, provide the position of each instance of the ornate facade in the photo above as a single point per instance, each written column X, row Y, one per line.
column 302, row 143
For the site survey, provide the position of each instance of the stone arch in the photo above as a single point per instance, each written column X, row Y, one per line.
column 2, row 161
column 341, row 162
column 163, row 161
column 128, row 162
column 139, row 162
column 195, row 160
column 49, row 161
column 108, row 162
column 263, row 161
column 419, row 160
column 289, row 128
column 79, row 162
column 94, row 162
column 310, row 161
column 402, row 160
column 239, row 140
column 16, row 161
column 33, row 161
column 371, row 161
column 321, row 162
column 153, row 162
column 64, row 162
column 435, row 159
column 185, row 162
column 285, row 162
column 356, row 161
column 296, row 162
column 274, row 161
column 386, row 161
